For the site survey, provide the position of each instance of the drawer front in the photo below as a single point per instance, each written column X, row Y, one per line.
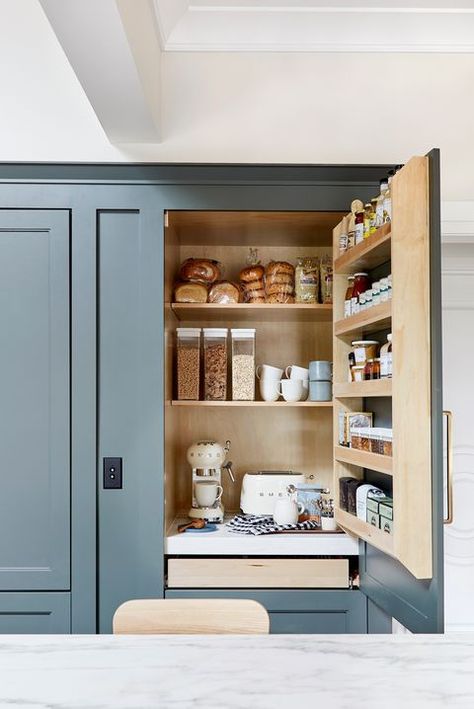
column 31, row 613
column 258, row 573
column 299, row 611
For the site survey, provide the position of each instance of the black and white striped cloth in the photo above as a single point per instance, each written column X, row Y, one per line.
column 264, row 524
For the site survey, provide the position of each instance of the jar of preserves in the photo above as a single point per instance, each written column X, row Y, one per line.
column 361, row 284
column 243, row 364
column 215, row 363
column 357, row 372
column 364, row 350
column 188, row 362
column 348, row 297
column 359, row 227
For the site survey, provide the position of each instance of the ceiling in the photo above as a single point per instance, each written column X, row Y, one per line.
column 316, row 25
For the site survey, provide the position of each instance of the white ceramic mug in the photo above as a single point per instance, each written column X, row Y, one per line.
column 269, row 389
column 293, row 371
column 292, row 389
column 287, row 511
column 267, row 371
column 207, row 492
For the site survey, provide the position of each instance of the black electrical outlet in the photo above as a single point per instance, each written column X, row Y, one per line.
column 112, row 473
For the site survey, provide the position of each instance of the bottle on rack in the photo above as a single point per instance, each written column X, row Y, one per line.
column 386, row 359
column 367, row 219
column 348, row 297
column 344, row 236
column 356, row 206
column 387, row 199
column 373, row 215
column 379, row 203
column 359, row 226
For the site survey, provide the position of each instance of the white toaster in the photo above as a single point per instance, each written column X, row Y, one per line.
column 261, row 489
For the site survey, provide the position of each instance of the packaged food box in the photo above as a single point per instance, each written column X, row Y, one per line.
column 386, row 508
column 373, row 519
column 386, row 525
column 352, row 419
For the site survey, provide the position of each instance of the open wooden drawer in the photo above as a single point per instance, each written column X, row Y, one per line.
column 258, row 573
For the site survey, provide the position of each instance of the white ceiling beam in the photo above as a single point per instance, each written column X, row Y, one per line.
column 113, row 47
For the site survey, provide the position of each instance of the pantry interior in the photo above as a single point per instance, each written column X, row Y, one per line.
column 303, row 436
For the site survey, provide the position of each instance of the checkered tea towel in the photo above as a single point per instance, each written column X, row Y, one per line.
column 264, row 524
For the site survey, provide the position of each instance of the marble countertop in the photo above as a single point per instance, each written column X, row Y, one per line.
column 225, row 542
column 237, row 672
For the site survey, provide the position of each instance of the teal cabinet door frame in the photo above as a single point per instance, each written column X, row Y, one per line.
column 34, row 400
column 29, row 613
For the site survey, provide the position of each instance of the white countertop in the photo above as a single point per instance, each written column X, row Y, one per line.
column 244, row 672
column 225, row 542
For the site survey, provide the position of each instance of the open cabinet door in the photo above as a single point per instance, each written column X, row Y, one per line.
column 401, row 562
column 410, row 586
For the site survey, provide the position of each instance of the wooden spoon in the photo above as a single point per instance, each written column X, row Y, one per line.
column 195, row 524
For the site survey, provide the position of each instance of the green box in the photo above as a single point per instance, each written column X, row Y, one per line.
column 373, row 518
column 386, row 508
column 372, row 505
column 386, row 525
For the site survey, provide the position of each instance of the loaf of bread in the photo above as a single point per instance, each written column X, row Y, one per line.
column 253, row 295
column 252, row 273
column 200, row 270
column 279, row 288
column 253, row 285
column 190, row 293
column 224, row 292
column 279, row 267
column 280, row 298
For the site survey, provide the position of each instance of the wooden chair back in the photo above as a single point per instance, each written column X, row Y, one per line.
column 193, row 616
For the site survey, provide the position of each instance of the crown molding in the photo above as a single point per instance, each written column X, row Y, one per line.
column 457, row 222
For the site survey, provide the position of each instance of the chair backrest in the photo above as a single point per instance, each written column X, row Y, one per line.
column 183, row 616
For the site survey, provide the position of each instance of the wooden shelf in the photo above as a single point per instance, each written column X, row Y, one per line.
column 372, row 252
column 374, row 387
column 378, row 317
column 372, row 461
column 274, row 404
column 246, row 312
column 365, row 531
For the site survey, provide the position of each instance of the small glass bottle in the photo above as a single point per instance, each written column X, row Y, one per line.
column 348, row 297
column 373, row 208
column 356, row 206
column 243, row 364
column 188, row 362
column 368, row 298
column 367, row 219
column 362, row 305
column 344, row 236
column 387, row 200
column 359, row 227
column 379, row 205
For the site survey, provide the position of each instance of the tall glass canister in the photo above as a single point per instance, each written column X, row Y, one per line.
column 215, row 363
column 243, row 364
column 188, row 362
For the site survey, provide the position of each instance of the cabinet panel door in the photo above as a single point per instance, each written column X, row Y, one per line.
column 34, row 401
column 298, row 611
column 410, row 588
column 31, row 613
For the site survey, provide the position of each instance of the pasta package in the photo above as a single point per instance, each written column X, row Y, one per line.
column 307, row 279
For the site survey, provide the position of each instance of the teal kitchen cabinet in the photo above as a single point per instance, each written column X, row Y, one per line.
column 298, row 611
column 25, row 613
column 35, row 401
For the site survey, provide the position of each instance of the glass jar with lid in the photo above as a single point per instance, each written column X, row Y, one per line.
column 215, row 363
column 188, row 362
column 243, row 364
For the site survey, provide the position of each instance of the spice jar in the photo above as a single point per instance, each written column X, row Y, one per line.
column 361, row 284
column 188, row 362
column 243, row 364
column 348, row 297
column 372, row 369
column 357, row 373
column 215, row 363
column 375, row 293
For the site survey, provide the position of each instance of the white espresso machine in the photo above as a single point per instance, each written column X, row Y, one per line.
column 207, row 460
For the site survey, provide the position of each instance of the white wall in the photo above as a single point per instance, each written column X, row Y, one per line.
column 245, row 107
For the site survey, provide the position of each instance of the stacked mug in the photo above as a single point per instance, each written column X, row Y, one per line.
column 272, row 386
column 320, row 380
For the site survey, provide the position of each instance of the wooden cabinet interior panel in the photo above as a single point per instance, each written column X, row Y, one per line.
column 258, row 573
column 411, row 368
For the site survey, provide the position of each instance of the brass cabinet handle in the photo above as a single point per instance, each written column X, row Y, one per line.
column 449, row 465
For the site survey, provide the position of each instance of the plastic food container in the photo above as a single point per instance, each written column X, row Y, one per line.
column 243, row 364
column 215, row 363
column 188, row 362
column 364, row 350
